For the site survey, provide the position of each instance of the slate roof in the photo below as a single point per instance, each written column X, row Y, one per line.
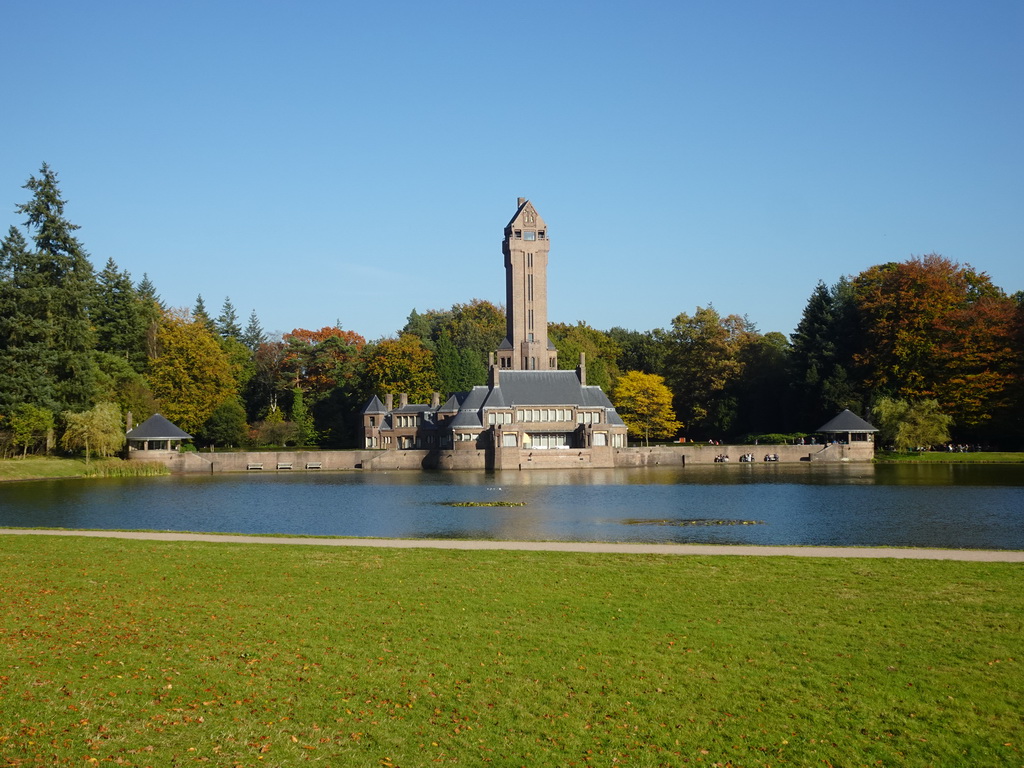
column 847, row 421
column 466, row 419
column 156, row 427
column 547, row 388
column 375, row 406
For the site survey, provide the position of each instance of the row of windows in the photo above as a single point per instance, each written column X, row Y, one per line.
column 506, row 362
column 407, row 421
column 529, row 234
column 551, row 414
column 531, row 362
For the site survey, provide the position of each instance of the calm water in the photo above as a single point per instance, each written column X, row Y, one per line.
column 913, row 505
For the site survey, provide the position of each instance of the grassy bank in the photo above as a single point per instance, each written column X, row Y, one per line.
column 944, row 457
column 146, row 653
column 45, row 467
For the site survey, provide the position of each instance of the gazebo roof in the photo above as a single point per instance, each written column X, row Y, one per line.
column 156, row 427
column 847, row 421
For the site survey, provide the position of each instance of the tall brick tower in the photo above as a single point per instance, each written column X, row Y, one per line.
column 526, row 346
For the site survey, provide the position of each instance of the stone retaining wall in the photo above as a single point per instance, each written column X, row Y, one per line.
column 601, row 457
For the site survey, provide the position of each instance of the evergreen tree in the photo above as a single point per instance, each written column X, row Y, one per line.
column 302, row 419
column 118, row 316
column 253, row 334
column 25, row 352
column 200, row 315
column 458, row 370
column 48, row 338
column 151, row 309
column 821, row 358
column 227, row 322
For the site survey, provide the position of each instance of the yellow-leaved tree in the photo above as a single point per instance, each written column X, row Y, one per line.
column 190, row 374
column 645, row 404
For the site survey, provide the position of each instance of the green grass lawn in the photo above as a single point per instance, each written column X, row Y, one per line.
column 944, row 457
column 48, row 467
column 158, row 654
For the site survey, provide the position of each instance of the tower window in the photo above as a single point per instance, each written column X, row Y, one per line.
column 540, row 235
column 529, row 259
column 530, row 235
column 519, row 234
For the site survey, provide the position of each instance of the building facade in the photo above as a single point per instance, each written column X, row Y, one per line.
column 529, row 414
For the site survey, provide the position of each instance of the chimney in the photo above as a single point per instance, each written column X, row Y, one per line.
column 389, row 402
column 128, row 422
column 520, row 202
column 493, row 379
column 403, row 400
column 435, row 400
column 581, row 369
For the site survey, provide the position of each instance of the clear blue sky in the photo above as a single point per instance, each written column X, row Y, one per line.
column 323, row 161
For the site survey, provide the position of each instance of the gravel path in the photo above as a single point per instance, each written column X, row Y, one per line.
column 977, row 555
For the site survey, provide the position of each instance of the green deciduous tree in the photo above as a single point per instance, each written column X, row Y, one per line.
column 600, row 349
column 472, row 332
column 29, row 425
column 645, row 404
column 642, row 351
column 703, row 365
column 191, row 375
column 910, row 424
column 99, row 429
column 226, row 426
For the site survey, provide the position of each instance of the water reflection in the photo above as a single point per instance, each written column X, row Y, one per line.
column 974, row 506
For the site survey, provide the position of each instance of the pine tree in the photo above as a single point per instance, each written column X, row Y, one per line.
column 200, row 315
column 118, row 316
column 25, row 352
column 151, row 309
column 48, row 337
column 253, row 334
column 227, row 323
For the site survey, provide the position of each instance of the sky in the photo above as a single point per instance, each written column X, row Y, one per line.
column 342, row 162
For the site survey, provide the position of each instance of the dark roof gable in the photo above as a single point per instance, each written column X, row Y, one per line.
column 156, row 427
column 847, row 421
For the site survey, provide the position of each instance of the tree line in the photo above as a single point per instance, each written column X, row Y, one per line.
column 80, row 349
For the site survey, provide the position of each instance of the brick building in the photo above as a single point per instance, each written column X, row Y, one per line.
column 529, row 412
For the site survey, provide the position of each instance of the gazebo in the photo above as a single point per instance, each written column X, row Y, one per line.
column 848, row 428
column 156, row 434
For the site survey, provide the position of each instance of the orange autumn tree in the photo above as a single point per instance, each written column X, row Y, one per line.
column 319, row 361
column 936, row 329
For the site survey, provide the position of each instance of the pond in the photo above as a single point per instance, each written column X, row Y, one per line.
column 913, row 505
